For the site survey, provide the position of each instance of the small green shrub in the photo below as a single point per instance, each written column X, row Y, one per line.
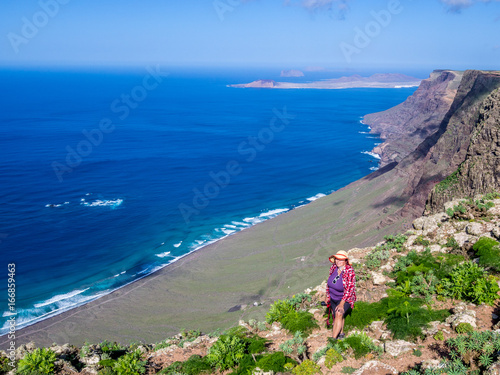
column 417, row 353
column 107, row 371
column 469, row 282
column 299, row 300
column 40, row 361
column 407, row 317
column 107, row 362
column 489, row 253
column 364, row 313
column 295, row 347
column 332, row 358
column 226, row 352
column 274, row 362
column 452, row 242
column 347, row 370
column 448, row 182
column 130, row 364
column 491, row 196
column 278, row 310
column 420, row 240
column 474, row 349
column 261, row 326
column 439, row 336
column 361, row 344
column 307, row 367
column 302, row 321
column 464, row 328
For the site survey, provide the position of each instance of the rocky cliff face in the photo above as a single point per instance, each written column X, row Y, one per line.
column 406, row 125
column 467, row 136
column 479, row 173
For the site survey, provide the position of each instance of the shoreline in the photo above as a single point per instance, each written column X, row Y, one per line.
column 272, row 213
column 162, row 303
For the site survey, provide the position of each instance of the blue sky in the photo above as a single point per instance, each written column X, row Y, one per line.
column 334, row 34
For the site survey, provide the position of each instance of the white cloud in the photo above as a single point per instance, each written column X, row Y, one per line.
column 337, row 7
column 458, row 5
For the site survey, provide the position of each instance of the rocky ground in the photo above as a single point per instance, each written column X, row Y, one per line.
column 398, row 355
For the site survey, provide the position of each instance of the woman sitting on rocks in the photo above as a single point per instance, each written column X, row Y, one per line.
column 340, row 291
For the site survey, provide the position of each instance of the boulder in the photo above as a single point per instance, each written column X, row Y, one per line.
column 437, row 249
column 474, row 229
column 494, row 369
column 91, row 361
column 495, row 232
column 425, row 223
column 462, row 315
column 378, row 278
column 398, row 347
column 461, row 238
column 432, row 330
column 375, row 368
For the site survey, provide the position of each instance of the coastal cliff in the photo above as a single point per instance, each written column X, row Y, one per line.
column 406, row 125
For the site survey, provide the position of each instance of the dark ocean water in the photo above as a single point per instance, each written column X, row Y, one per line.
column 106, row 177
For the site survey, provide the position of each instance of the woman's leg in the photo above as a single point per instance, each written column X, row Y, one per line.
column 338, row 324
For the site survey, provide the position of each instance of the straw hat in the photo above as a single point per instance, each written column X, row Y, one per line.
column 340, row 255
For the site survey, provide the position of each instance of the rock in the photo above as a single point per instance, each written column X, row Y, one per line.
column 375, row 368
column 425, row 223
column 398, row 347
column 387, row 267
column 321, row 361
column 474, row 229
column 461, row 238
column 376, row 326
column 92, row 360
column 432, row 330
column 313, row 311
column 67, row 367
column 89, row 371
column 462, row 315
column 437, row 249
column 494, row 369
column 459, row 225
column 495, row 232
column 432, row 364
column 378, row 278
column 245, row 325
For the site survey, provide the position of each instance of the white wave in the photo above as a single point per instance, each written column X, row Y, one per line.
column 317, row 196
column 404, row 86
column 59, row 298
column 364, row 132
column 274, row 213
column 52, row 205
column 113, row 203
column 163, row 255
column 228, row 231
column 178, row 244
column 372, row 154
column 374, row 168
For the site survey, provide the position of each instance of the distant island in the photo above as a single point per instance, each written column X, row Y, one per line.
column 292, row 73
column 390, row 80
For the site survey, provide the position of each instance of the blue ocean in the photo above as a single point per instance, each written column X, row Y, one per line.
column 108, row 176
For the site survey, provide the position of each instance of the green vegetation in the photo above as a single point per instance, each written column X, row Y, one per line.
column 347, row 370
column 226, row 353
column 193, row 366
column 452, row 242
column 489, row 253
column 274, row 362
column 364, row 313
column 471, row 283
column 302, row 321
column 464, row 328
column 332, row 358
column 40, row 361
column 295, row 347
column 417, row 352
column 307, row 367
column 130, row 364
column 448, row 182
column 439, row 336
column 420, row 240
column 279, row 309
column 360, row 343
